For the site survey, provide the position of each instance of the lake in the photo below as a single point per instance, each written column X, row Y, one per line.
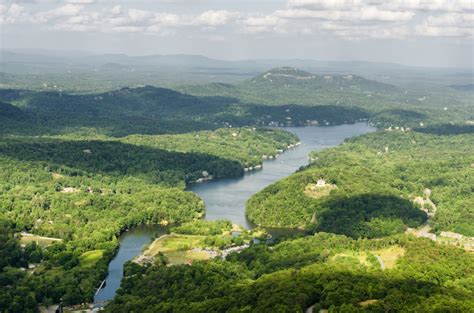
column 225, row 198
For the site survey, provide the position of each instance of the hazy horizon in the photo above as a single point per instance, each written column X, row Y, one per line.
column 415, row 33
column 65, row 52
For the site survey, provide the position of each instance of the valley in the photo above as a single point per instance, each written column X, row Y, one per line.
column 332, row 166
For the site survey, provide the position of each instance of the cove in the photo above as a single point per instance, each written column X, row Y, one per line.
column 226, row 198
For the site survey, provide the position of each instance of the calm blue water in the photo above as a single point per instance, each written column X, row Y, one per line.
column 225, row 198
column 131, row 244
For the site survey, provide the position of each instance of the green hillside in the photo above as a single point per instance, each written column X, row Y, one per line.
column 386, row 105
column 149, row 110
column 81, row 192
column 376, row 178
column 289, row 77
column 324, row 271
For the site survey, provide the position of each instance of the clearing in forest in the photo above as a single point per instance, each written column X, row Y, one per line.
column 178, row 249
column 390, row 255
column 319, row 190
column 385, row 258
column 90, row 258
column 40, row 240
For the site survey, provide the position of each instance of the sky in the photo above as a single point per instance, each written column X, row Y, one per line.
column 435, row 33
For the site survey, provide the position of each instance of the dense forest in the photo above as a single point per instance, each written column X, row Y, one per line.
column 376, row 178
column 386, row 105
column 368, row 198
column 150, row 110
column 324, row 271
column 279, row 97
column 81, row 194
column 76, row 170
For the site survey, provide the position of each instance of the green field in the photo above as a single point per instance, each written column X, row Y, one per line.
column 90, row 258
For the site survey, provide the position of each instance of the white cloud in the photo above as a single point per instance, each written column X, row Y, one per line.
column 116, row 10
column 63, row 11
column 325, row 4
column 431, row 5
column 370, row 13
column 15, row 10
column 215, row 18
column 169, row 19
column 137, row 16
column 80, row 1
column 447, row 25
column 14, row 13
column 351, row 19
column 452, row 19
column 127, row 29
column 263, row 24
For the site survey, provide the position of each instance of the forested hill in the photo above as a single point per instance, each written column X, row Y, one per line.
column 372, row 184
column 76, row 193
column 360, row 198
column 323, row 272
column 290, row 77
column 280, row 97
column 386, row 105
column 149, row 110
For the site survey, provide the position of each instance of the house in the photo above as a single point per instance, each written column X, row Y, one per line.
column 321, row 183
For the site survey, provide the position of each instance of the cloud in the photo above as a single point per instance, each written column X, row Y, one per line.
column 349, row 19
column 431, row 5
column 81, row 1
column 14, row 13
column 325, row 4
column 353, row 19
column 62, row 11
column 370, row 13
column 169, row 20
column 116, row 10
column 263, row 24
column 138, row 16
column 447, row 25
column 215, row 18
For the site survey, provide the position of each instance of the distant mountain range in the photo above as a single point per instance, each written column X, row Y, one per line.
column 281, row 96
column 468, row 87
column 183, row 68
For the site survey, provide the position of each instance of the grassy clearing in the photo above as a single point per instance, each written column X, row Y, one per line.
column 390, row 255
column 351, row 257
column 314, row 191
column 178, row 249
column 40, row 240
column 186, row 257
column 175, row 242
column 465, row 242
column 366, row 303
column 89, row 258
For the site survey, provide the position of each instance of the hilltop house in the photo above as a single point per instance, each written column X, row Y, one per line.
column 321, row 183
